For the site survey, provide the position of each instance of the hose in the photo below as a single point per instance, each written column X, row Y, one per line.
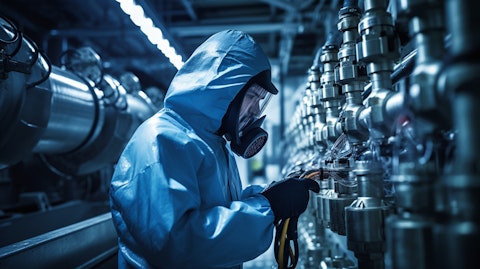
column 286, row 255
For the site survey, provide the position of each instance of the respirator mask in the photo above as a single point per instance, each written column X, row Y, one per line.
column 243, row 120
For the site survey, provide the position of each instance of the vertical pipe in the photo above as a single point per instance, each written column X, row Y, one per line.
column 410, row 231
column 458, row 232
column 378, row 48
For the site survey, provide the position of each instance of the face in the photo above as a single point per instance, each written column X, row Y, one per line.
column 255, row 100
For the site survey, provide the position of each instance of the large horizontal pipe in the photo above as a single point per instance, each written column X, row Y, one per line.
column 59, row 113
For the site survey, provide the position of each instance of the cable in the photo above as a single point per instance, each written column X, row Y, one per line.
column 286, row 235
column 9, row 25
column 315, row 174
column 281, row 259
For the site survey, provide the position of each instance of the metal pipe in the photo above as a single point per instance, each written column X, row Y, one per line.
column 459, row 231
column 24, row 101
column 73, row 113
column 415, row 176
column 330, row 92
column 365, row 217
column 78, row 120
column 350, row 74
column 378, row 49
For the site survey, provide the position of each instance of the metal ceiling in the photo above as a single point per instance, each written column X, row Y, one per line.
column 290, row 31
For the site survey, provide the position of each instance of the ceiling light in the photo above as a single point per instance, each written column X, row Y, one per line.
column 153, row 33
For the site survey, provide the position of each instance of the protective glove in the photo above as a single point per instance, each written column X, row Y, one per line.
column 289, row 197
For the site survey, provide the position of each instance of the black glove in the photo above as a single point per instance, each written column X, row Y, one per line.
column 289, row 197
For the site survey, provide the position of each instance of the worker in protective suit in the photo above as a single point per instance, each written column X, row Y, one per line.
column 176, row 194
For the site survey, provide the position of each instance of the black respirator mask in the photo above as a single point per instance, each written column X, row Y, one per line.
column 241, row 124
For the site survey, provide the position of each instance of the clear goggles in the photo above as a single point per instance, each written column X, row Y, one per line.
column 253, row 105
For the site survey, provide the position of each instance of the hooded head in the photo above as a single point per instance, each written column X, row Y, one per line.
column 208, row 82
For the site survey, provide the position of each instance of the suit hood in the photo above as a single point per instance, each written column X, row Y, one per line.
column 207, row 83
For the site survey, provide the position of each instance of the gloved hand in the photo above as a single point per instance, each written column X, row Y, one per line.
column 289, row 197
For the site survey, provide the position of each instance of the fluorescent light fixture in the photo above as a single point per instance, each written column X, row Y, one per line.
column 153, row 33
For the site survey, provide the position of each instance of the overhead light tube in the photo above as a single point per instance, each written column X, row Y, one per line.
column 153, row 33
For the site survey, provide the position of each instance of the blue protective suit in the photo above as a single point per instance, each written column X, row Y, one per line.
column 176, row 195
